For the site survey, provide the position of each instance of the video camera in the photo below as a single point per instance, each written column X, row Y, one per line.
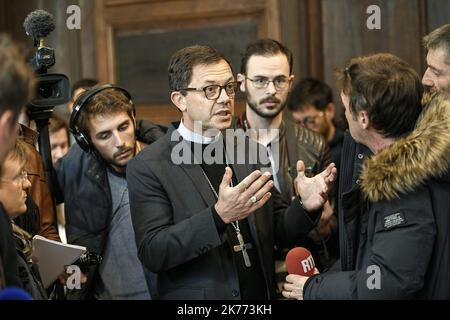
column 52, row 88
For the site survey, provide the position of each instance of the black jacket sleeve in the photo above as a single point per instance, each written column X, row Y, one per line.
column 291, row 222
column 392, row 259
column 163, row 244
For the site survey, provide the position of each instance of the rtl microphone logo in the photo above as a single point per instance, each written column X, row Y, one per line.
column 308, row 265
column 300, row 261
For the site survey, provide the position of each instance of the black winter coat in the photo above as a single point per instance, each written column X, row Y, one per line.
column 395, row 224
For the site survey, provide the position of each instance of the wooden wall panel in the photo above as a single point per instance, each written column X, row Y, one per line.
column 322, row 34
column 118, row 22
column 87, row 49
column 346, row 35
column 438, row 13
column 13, row 16
column 145, row 71
column 293, row 33
column 3, row 15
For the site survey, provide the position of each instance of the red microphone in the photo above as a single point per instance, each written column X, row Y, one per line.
column 300, row 261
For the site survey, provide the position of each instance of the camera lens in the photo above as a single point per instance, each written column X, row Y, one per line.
column 45, row 91
column 51, row 90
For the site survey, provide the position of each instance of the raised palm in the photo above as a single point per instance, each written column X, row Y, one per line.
column 314, row 191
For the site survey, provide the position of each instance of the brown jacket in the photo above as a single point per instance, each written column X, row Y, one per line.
column 39, row 190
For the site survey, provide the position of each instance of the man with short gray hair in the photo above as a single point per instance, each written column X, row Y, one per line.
column 394, row 223
column 437, row 75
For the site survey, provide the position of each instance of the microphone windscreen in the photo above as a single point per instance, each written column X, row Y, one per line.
column 14, row 293
column 300, row 261
column 39, row 23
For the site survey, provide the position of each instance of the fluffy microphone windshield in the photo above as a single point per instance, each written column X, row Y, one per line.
column 38, row 24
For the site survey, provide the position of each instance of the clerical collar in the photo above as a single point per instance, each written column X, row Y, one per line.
column 192, row 136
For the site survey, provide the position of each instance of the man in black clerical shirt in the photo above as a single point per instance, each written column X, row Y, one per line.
column 204, row 210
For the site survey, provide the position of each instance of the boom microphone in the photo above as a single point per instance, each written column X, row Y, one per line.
column 300, row 261
column 38, row 24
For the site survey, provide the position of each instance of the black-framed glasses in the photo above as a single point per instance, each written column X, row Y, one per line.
column 213, row 91
column 280, row 83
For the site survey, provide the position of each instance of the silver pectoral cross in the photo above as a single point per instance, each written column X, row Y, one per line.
column 243, row 247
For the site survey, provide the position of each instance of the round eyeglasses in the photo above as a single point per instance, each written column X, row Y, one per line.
column 213, row 91
column 280, row 83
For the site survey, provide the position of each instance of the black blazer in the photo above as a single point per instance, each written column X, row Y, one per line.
column 175, row 230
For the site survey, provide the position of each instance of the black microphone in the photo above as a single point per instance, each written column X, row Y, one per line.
column 38, row 24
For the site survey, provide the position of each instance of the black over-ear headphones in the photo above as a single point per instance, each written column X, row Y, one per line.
column 79, row 104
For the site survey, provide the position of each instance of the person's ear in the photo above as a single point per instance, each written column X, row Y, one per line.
column 241, row 80
column 363, row 119
column 178, row 100
column 330, row 111
column 291, row 82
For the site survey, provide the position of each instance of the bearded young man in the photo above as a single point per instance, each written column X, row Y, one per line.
column 266, row 79
column 92, row 178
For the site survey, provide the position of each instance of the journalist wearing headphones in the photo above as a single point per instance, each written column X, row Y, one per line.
column 93, row 183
